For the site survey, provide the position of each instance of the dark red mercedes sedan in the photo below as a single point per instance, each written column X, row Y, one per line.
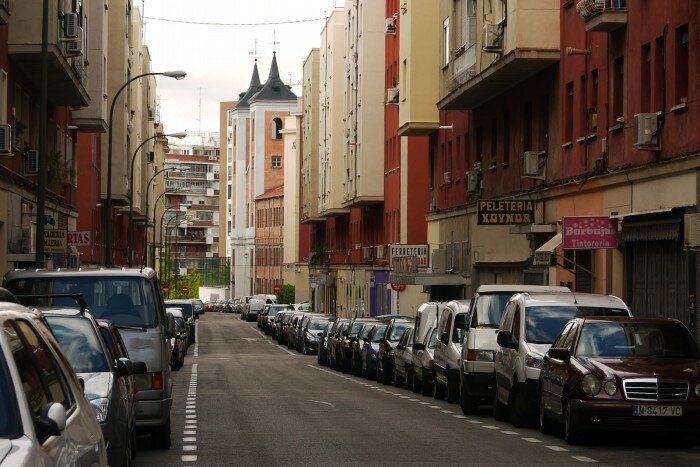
column 624, row 374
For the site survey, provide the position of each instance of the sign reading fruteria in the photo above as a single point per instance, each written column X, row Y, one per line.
column 55, row 241
column 589, row 233
column 419, row 251
column 505, row 212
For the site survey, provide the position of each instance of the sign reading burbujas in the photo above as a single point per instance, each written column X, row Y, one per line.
column 55, row 241
column 589, row 232
column 408, row 258
column 505, row 212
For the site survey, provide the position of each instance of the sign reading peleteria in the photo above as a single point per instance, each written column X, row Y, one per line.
column 505, row 212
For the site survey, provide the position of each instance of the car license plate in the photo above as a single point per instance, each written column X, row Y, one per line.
column 657, row 411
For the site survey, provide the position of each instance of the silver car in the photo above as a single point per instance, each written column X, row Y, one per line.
column 403, row 360
column 422, row 359
column 448, row 349
column 38, row 389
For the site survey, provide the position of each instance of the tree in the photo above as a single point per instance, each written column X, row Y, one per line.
column 191, row 281
column 286, row 294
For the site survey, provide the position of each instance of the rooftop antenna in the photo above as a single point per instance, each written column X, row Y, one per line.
column 254, row 53
column 200, row 113
column 274, row 41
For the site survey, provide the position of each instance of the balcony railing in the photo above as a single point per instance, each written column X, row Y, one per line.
column 603, row 15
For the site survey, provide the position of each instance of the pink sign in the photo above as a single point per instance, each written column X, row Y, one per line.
column 589, row 233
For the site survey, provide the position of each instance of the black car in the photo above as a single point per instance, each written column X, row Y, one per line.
column 322, row 358
column 349, row 340
column 334, row 342
column 356, row 349
column 188, row 311
column 387, row 347
column 312, row 327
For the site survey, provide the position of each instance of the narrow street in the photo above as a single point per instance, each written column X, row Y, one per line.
column 241, row 399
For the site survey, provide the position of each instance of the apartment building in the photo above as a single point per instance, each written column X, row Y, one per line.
column 226, row 195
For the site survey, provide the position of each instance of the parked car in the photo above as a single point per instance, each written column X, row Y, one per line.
column 79, row 336
column 621, row 374
column 387, row 347
column 349, row 343
column 253, row 308
column 334, row 342
column 423, row 360
column 268, row 322
column 277, row 324
column 267, row 298
column 293, row 330
column 208, row 306
column 370, row 347
column 187, row 308
column 242, row 302
column 312, row 329
column 356, row 349
column 448, row 349
column 285, row 319
column 301, row 331
column 479, row 344
column 529, row 325
column 178, row 343
column 198, row 306
column 402, row 359
column 322, row 358
column 262, row 315
column 132, row 300
column 35, row 428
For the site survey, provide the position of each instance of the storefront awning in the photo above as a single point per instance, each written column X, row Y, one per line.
column 641, row 213
column 543, row 255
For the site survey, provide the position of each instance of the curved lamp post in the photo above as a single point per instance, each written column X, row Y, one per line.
column 108, row 202
column 155, row 205
column 162, row 218
column 180, row 134
column 168, row 229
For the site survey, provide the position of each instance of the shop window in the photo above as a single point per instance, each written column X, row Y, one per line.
column 682, row 39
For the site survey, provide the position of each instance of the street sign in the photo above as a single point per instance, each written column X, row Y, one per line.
column 79, row 238
column 166, row 288
column 276, row 288
column 184, row 289
column 398, row 287
column 55, row 241
column 420, row 253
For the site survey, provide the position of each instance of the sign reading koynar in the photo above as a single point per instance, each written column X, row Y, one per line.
column 505, row 212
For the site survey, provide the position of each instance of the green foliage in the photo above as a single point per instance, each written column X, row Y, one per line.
column 191, row 281
column 286, row 295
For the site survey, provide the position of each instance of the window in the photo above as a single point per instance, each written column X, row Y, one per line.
column 494, row 141
column 593, row 105
column 618, row 87
column 645, row 77
column 682, row 39
column 276, row 162
column 446, row 42
column 276, row 128
column 569, row 116
column 582, row 107
column 471, row 22
column 506, row 139
column 659, row 73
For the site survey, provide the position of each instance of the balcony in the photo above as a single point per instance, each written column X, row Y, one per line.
column 603, row 15
column 188, row 239
column 507, row 52
column 5, row 10
column 67, row 74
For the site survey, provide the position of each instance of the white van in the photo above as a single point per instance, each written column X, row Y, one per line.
column 479, row 348
column 530, row 324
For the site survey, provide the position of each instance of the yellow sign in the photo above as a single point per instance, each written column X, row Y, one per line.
column 55, row 241
column 505, row 212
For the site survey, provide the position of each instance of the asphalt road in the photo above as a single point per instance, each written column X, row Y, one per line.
column 241, row 399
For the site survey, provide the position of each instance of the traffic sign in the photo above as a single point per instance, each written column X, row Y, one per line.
column 166, row 288
column 184, row 289
column 398, row 287
column 276, row 288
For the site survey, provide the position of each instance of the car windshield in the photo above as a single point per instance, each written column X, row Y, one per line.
column 611, row 339
column 126, row 301
column 489, row 309
column 378, row 333
column 544, row 323
column 10, row 426
column 274, row 310
column 600, row 311
column 318, row 324
column 180, row 322
column 356, row 326
column 184, row 306
column 398, row 331
column 366, row 330
column 286, row 318
column 79, row 341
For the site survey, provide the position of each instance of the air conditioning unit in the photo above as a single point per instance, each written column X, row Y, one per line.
column 532, row 164
column 5, row 139
column 473, row 182
column 447, row 177
column 151, row 114
column 71, row 26
column 691, row 230
column 31, row 163
column 492, row 38
column 646, row 131
column 75, row 47
column 392, row 95
column 381, row 252
column 441, row 259
column 390, row 27
column 367, row 253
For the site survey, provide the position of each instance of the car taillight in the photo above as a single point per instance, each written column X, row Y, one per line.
column 430, row 364
column 156, row 380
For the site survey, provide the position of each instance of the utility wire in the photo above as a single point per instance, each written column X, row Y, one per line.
column 203, row 23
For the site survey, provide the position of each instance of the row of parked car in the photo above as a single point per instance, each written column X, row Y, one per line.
column 535, row 355
column 86, row 363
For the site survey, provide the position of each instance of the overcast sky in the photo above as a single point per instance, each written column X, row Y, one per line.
column 216, row 58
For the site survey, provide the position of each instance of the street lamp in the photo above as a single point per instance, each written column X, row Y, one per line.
column 180, row 134
column 108, row 202
column 155, row 205
column 162, row 218
column 168, row 229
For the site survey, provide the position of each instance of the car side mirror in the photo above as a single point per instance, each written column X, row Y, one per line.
column 52, row 420
column 124, row 367
column 461, row 321
column 444, row 338
column 505, row 339
column 418, row 346
column 170, row 326
column 559, row 353
column 140, row 368
column 400, row 347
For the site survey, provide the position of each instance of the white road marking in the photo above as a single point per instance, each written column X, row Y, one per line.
column 489, row 427
column 191, row 416
column 434, row 406
column 404, row 397
column 584, row 459
column 320, row 402
column 189, row 432
column 190, row 439
column 506, row 432
column 557, row 448
column 474, row 421
column 190, row 427
column 459, row 416
column 532, row 440
column 446, row 411
column 414, row 400
column 189, row 458
column 189, row 447
column 424, row 403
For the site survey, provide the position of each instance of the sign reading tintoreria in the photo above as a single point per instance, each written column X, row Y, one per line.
column 505, row 212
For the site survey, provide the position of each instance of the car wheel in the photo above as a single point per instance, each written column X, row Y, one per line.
column 500, row 411
column 468, row 403
column 438, row 389
column 517, row 415
column 426, row 387
column 571, row 433
column 547, row 426
column 160, row 436
column 452, row 394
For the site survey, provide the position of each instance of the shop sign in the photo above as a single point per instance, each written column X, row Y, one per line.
column 505, row 212
column 405, row 264
column 317, row 280
column 79, row 238
column 419, row 252
column 55, row 241
column 589, row 233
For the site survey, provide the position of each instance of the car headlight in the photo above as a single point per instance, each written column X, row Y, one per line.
column 590, row 384
column 101, row 407
column 697, row 389
column 610, row 388
column 533, row 361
